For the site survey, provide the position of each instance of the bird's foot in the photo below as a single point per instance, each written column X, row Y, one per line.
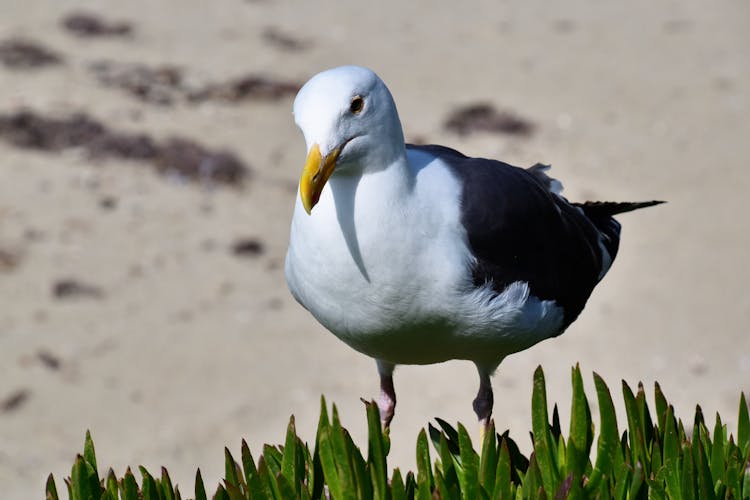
column 483, row 406
column 387, row 408
column 387, row 400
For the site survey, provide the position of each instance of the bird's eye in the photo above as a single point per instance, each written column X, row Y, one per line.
column 357, row 105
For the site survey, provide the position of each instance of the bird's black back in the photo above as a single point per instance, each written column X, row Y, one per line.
column 519, row 231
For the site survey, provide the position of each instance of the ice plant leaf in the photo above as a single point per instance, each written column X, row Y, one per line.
column 200, row 489
column 542, row 437
column 609, row 439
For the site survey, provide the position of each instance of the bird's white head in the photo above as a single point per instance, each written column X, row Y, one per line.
column 350, row 124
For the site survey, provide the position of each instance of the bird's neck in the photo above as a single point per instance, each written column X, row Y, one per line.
column 389, row 171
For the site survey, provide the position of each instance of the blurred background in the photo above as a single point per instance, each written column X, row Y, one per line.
column 148, row 169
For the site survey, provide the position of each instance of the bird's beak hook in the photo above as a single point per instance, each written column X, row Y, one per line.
column 315, row 174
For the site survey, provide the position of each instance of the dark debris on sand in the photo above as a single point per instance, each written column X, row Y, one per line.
column 14, row 400
column 28, row 130
column 248, row 247
column 49, row 360
column 161, row 85
column 167, row 84
column 483, row 117
column 21, row 53
column 9, row 260
column 176, row 157
column 108, row 203
column 255, row 87
column 186, row 158
column 86, row 24
column 282, row 41
column 72, row 288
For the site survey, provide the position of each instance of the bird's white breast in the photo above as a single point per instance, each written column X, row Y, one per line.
column 383, row 263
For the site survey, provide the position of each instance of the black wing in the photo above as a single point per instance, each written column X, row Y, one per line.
column 519, row 231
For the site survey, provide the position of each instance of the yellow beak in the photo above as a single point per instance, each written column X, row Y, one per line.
column 315, row 175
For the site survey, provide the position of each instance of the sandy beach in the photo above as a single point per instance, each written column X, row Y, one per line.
column 142, row 291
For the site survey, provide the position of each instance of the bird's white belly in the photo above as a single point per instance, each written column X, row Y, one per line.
column 372, row 300
column 413, row 321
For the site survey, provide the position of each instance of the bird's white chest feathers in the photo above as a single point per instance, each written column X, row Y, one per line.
column 384, row 264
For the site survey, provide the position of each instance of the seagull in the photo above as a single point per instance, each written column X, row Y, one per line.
column 419, row 254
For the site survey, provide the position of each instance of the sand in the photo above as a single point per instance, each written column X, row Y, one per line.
column 172, row 345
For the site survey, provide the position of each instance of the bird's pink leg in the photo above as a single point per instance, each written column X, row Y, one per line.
column 387, row 399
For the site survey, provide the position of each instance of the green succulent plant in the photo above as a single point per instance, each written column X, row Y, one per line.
column 654, row 457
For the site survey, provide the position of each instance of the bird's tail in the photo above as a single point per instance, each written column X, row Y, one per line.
column 610, row 208
column 591, row 208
